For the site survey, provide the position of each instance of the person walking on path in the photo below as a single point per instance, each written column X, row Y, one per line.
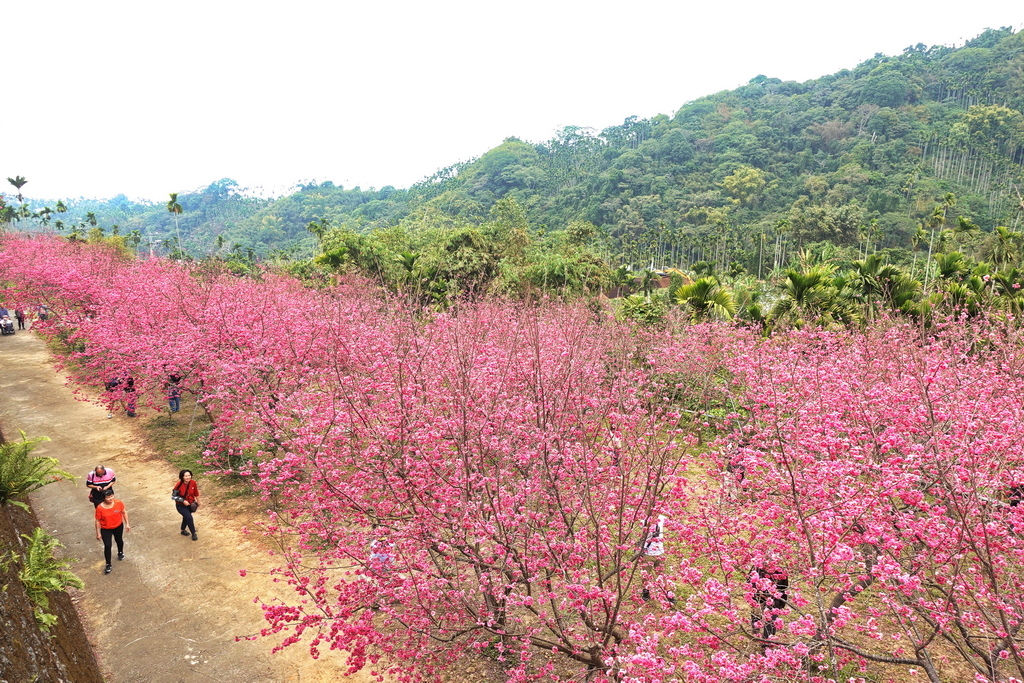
column 186, row 499
column 99, row 481
column 771, row 593
column 129, row 396
column 111, row 523
column 173, row 392
column 653, row 551
column 20, row 315
column 120, row 387
column 112, row 386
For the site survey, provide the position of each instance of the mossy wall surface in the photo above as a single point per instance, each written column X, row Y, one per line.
column 26, row 652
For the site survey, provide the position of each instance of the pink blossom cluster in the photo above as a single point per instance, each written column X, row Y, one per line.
column 879, row 470
column 483, row 479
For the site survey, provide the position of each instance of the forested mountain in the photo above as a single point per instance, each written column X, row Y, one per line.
column 876, row 157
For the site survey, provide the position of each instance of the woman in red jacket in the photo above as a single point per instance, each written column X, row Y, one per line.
column 186, row 494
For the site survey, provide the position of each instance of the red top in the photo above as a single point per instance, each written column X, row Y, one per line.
column 189, row 491
column 112, row 517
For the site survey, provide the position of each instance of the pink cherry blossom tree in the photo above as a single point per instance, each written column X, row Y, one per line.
column 838, row 503
column 876, row 467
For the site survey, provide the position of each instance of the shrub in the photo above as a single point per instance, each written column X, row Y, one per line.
column 43, row 573
column 21, row 474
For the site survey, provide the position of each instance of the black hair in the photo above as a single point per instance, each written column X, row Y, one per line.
column 181, row 475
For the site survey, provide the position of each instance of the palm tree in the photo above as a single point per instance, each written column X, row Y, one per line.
column 799, row 286
column 319, row 228
column 707, row 298
column 1009, row 286
column 868, row 275
column 815, row 294
column 781, row 229
column 335, row 258
column 883, row 283
column 868, row 232
column 1000, row 248
column 408, row 260
column 964, row 228
column 952, row 266
column 18, row 182
column 968, row 296
column 915, row 242
column 648, row 280
column 175, row 208
column 622, row 280
column 936, row 220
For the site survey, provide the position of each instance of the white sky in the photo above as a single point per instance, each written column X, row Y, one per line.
column 147, row 98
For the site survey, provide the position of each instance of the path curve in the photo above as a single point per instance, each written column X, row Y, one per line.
column 171, row 610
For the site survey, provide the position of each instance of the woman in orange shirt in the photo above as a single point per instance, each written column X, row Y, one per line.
column 111, row 521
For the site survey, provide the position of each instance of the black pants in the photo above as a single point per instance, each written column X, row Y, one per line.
column 186, row 517
column 112, row 534
column 765, row 617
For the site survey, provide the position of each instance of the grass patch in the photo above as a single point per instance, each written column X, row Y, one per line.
column 181, row 438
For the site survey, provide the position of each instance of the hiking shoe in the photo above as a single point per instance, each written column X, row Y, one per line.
column 108, row 569
column 184, row 533
column 195, row 537
column 120, row 556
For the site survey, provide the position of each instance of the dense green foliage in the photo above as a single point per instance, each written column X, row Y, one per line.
column 42, row 572
column 21, row 473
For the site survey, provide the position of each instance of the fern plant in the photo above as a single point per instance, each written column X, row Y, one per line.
column 21, row 473
column 43, row 573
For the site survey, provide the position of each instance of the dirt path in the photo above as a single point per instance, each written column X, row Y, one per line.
column 171, row 610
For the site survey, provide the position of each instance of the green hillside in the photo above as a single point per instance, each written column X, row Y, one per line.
column 878, row 157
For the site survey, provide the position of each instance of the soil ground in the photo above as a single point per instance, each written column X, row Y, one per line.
column 171, row 610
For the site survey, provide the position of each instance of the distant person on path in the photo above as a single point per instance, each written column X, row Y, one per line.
column 20, row 315
column 653, row 551
column 99, row 481
column 771, row 593
column 126, row 385
column 111, row 523
column 381, row 553
column 111, row 386
column 129, row 397
column 186, row 494
column 173, row 393
column 43, row 312
column 7, row 324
